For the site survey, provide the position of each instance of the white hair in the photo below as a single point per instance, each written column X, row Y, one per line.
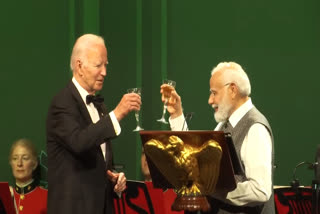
column 233, row 73
column 82, row 45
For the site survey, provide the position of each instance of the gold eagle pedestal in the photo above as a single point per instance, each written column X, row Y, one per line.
column 191, row 163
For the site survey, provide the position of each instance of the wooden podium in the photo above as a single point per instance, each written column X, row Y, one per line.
column 229, row 164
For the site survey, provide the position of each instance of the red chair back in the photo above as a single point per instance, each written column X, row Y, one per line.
column 290, row 200
column 143, row 198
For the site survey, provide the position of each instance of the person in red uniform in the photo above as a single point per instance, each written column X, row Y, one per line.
column 29, row 197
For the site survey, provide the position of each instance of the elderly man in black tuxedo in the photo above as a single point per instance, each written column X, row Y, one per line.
column 79, row 130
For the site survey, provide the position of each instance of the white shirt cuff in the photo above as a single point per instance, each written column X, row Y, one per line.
column 115, row 123
column 178, row 123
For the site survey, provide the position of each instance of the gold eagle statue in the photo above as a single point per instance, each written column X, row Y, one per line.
column 193, row 170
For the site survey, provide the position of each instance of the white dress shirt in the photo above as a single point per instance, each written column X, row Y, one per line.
column 94, row 114
column 255, row 154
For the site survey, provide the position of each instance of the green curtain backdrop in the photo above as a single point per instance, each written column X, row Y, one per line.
column 276, row 42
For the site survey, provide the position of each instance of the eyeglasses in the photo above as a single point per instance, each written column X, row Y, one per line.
column 214, row 93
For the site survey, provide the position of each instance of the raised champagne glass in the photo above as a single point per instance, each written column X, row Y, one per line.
column 136, row 114
column 167, row 89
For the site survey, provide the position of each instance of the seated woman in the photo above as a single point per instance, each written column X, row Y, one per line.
column 29, row 197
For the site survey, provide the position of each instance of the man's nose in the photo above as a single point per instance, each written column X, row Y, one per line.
column 104, row 71
column 210, row 100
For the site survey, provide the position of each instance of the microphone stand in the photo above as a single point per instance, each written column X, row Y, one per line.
column 315, row 184
column 187, row 117
column 315, row 196
column 295, row 182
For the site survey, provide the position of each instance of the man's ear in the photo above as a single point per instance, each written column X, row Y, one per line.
column 234, row 90
column 79, row 66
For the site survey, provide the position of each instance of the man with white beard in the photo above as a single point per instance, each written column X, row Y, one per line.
column 252, row 137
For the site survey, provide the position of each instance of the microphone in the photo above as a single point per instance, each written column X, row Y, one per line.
column 295, row 182
column 315, row 183
column 316, row 166
column 187, row 117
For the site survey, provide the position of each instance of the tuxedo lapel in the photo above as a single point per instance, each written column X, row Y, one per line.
column 84, row 112
column 104, row 110
column 83, row 109
column 108, row 148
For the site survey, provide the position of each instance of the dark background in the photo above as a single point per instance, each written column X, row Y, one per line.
column 276, row 42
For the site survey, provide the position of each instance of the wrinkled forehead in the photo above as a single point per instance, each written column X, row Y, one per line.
column 217, row 80
column 97, row 52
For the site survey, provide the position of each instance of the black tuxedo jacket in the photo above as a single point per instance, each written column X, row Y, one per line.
column 77, row 180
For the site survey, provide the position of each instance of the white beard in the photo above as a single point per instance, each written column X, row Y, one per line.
column 223, row 112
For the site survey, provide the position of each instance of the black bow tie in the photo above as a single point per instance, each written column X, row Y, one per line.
column 95, row 99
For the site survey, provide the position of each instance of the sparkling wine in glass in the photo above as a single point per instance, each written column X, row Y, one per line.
column 167, row 89
column 136, row 114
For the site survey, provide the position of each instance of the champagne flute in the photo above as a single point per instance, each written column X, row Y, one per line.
column 170, row 85
column 136, row 114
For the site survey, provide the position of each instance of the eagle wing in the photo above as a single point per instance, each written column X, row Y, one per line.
column 209, row 156
column 165, row 162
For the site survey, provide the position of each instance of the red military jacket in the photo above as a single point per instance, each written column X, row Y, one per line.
column 31, row 199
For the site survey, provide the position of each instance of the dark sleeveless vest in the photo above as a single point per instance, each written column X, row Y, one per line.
column 238, row 134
